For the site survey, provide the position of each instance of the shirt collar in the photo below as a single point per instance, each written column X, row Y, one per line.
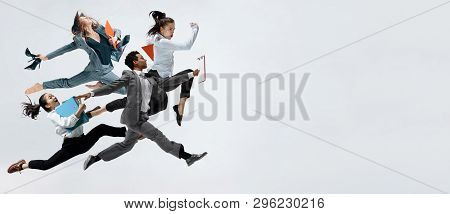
column 140, row 73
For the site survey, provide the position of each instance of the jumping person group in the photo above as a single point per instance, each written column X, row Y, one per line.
column 146, row 92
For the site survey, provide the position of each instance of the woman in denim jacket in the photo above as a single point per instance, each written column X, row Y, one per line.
column 89, row 36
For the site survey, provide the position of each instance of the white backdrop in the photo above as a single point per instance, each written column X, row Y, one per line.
column 377, row 100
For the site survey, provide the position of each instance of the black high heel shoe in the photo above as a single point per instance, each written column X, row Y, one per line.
column 35, row 64
column 29, row 54
column 36, row 61
column 179, row 117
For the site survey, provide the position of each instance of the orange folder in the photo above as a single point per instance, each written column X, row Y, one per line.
column 149, row 51
column 110, row 32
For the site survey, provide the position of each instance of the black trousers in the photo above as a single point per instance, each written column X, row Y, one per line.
column 78, row 145
column 158, row 100
column 185, row 86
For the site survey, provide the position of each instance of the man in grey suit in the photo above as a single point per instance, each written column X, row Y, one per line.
column 135, row 114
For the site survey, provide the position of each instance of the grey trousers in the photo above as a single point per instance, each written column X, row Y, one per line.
column 131, row 138
column 91, row 73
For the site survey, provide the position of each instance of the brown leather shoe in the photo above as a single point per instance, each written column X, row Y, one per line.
column 16, row 167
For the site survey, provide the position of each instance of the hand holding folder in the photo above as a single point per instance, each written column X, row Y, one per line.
column 110, row 32
column 68, row 108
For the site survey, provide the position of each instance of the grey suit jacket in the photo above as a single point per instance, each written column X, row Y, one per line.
column 129, row 80
column 80, row 43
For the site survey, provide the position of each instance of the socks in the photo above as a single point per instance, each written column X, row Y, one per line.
column 24, row 166
column 184, row 155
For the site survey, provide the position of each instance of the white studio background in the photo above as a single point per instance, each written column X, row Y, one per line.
column 382, row 100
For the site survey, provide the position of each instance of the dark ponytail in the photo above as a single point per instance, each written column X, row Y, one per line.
column 160, row 21
column 32, row 110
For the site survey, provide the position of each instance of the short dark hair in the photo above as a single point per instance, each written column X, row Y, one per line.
column 132, row 56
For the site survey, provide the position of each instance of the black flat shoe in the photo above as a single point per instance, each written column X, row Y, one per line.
column 194, row 158
column 179, row 117
column 36, row 61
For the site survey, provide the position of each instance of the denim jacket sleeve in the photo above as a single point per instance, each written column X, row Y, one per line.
column 117, row 33
column 67, row 48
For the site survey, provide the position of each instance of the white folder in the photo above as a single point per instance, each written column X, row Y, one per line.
column 202, row 67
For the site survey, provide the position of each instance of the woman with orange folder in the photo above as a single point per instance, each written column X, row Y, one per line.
column 102, row 44
column 160, row 36
column 75, row 142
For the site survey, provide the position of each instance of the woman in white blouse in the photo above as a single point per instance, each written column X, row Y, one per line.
column 75, row 142
column 160, row 35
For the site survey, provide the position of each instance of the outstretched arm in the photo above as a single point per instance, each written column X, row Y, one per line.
column 112, row 87
column 66, row 48
column 186, row 45
column 108, row 89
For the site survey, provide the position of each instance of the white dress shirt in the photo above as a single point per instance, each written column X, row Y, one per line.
column 164, row 48
column 146, row 90
column 61, row 123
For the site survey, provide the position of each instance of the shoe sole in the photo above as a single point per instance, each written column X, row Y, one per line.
column 86, row 162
